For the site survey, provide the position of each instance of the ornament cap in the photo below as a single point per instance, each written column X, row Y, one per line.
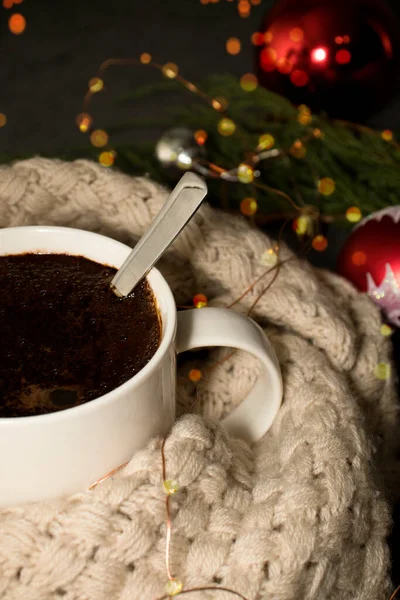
column 389, row 211
column 387, row 294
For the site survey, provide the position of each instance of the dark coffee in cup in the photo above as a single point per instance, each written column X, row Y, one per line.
column 65, row 338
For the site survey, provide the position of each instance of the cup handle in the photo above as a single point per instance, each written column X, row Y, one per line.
column 206, row 327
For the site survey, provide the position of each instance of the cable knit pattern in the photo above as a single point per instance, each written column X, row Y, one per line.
column 302, row 515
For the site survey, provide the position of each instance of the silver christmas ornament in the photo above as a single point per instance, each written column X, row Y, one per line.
column 177, row 148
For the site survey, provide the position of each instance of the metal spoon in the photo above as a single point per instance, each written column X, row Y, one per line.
column 178, row 209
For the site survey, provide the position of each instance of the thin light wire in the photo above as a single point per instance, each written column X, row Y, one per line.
column 274, row 268
column 252, row 285
column 110, row 474
column 168, row 513
column 214, row 171
column 109, row 62
column 366, row 130
column 393, row 596
column 168, row 546
column 268, row 188
column 205, row 589
column 261, row 294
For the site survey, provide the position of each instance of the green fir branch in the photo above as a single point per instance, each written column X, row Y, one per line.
column 364, row 167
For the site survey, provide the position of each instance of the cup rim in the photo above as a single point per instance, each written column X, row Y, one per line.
column 159, row 287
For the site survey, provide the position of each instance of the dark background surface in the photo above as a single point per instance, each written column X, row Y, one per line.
column 44, row 72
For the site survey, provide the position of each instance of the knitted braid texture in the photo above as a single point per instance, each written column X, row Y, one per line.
column 300, row 516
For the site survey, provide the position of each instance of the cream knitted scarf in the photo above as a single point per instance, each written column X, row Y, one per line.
column 301, row 516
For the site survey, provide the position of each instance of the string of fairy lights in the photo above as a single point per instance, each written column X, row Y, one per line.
column 246, row 172
column 174, row 585
column 306, row 219
column 304, row 223
column 243, row 173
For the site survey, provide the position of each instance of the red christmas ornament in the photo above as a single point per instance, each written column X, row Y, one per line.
column 339, row 56
column 370, row 259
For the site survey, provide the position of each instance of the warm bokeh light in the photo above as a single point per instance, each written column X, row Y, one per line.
column 269, row 258
column 98, row 138
column 299, row 78
column 268, row 59
column 226, row 127
column 302, row 225
column 248, row 207
column 386, row 330
column 296, row 34
column 244, row 8
column 221, row 102
column 171, row 486
column 96, row 84
column 17, row 24
column 359, row 258
column 200, row 301
column 10, row 3
column 248, row 82
column 257, row 39
column 195, row 375
column 298, row 149
column 84, row 122
column 233, row 46
column 284, row 65
column 382, row 371
column 268, row 37
column 145, row 58
column 320, row 243
column 170, row 70
column 319, row 55
column 201, row 137
column 174, row 586
column 343, row 57
column 245, row 173
column 3, row 119
column 107, row 158
column 266, row 141
column 304, row 109
column 326, row 186
column 353, row 214
column 304, row 118
column 387, row 135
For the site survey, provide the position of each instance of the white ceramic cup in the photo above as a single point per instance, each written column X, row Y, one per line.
column 47, row 456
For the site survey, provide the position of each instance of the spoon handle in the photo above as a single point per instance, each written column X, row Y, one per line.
column 178, row 209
